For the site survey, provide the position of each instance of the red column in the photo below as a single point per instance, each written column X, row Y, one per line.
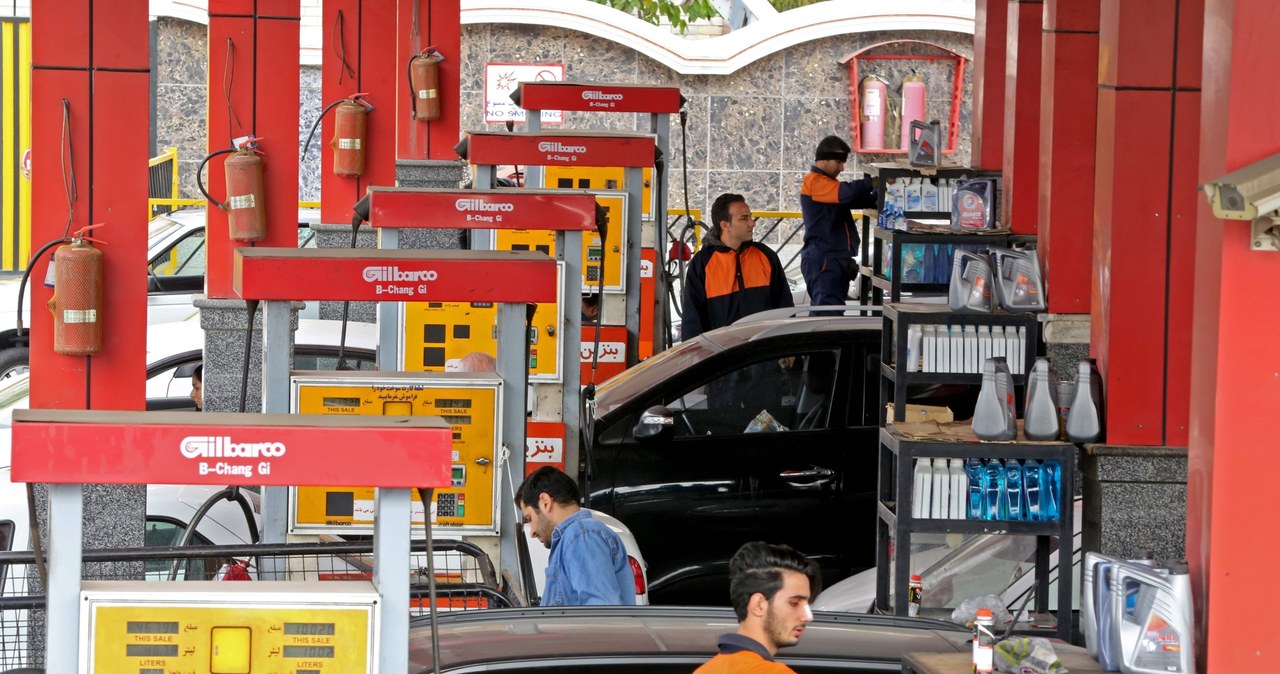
column 106, row 88
column 253, row 90
column 436, row 23
column 370, row 67
column 990, row 19
column 1068, row 114
column 1143, row 267
column 1235, row 366
column 1021, row 165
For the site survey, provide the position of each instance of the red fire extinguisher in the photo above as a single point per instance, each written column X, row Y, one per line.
column 350, row 123
column 874, row 101
column 424, row 84
column 245, row 204
column 77, row 301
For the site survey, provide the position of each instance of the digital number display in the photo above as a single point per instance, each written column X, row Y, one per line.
column 460, row 403
column 341, row 402
column 309, row 629
column 306, row 651
column 456, row 420
column 152, row 650
column 141, row 627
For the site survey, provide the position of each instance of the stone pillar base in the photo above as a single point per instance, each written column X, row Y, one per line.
column 225, row 325
column 1135, row 500
column 1066, row 342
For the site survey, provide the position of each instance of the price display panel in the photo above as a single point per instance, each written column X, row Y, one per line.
column 469, row 402
column 439, row 335
column 595, row 252
column 601, row 178
column 135, row 627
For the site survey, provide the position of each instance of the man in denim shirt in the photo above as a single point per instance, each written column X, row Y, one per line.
column 588, row 561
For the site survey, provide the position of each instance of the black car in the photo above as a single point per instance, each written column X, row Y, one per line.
column 660, row 640
column 763, row 430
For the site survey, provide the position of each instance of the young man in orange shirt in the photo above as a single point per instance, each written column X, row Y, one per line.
column 770, row 587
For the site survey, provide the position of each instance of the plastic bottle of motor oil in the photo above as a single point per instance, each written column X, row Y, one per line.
column 1154, row 634
column 1085, row 418
column 1100, row 580
column 1040, row 418
column 993, row 414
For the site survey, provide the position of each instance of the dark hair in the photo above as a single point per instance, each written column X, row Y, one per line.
column 832, row 147
column 720, row 209
column 198, row 373
column 758, row 567
column 550, row 481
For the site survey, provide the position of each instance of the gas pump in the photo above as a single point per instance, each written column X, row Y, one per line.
column 658, row 102
column 631, row 152
column 210, row 626
column 393, row 276
column 569, row 214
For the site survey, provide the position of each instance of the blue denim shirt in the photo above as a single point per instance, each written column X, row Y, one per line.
column 588, row 565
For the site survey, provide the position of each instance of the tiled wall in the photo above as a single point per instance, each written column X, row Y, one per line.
column 751, row 132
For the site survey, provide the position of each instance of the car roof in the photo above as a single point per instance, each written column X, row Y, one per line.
column 564, row 633
column 165, row 340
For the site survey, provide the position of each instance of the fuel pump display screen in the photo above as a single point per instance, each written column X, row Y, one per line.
column 210, row 628
column 594, row 251
column 470, row 403
column 438, row 336
column 600, row 178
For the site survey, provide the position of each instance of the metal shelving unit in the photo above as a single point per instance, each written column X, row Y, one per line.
column 894, row 521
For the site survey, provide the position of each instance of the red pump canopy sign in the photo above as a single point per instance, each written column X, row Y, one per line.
column 408, row 207
column 363, row 275
column 565, row 148
column 598, row 97
column 275, row 450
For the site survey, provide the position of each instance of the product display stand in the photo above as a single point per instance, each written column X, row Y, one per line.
column 898, row 317
column 895, row 523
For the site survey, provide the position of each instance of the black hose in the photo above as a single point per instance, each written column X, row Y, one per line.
column 231, row 493
column 200, row 172
column 346, row 304
column 311, row 134
column 252, row 308
column 425, row 495
column 26, row 276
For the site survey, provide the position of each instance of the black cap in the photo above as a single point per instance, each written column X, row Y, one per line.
column 832, row 147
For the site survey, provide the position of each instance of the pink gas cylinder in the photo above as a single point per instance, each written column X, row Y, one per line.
column 913, row 104
column 875, row 106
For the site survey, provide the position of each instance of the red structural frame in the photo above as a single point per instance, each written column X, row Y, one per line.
column 415, row 208
column 861, row 57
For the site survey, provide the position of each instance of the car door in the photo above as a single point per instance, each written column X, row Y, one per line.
column 756, row 450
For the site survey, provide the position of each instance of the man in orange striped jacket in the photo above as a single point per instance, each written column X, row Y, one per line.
column 731, row 276
column 829, row 257
column 770, row 587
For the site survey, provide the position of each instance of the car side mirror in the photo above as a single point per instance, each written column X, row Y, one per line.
column 654, row 422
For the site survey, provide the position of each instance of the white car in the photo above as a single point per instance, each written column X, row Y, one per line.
column 954, row 568
column 176, row 269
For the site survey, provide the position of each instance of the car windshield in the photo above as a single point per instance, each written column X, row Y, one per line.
column 158, row 229
column 641, row 379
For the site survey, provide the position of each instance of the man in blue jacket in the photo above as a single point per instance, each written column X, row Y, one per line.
column 588, row 562
column 829, row 257
column 731, row 275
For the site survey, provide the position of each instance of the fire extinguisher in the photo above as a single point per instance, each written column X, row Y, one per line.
column 875, row 106
column 245, row 204
column 913, row 106
column 350, row 121
column 77, row 300
column 424, row 84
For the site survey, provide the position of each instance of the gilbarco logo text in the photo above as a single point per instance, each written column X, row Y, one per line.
column 222, row 447
column 478, row 210
column 388, row 278
column 556, row 151
column 600, row 99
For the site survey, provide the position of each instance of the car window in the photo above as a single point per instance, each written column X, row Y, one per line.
column 168, row 533
column 777, row 393
column 328, row 360
column 184, row 258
